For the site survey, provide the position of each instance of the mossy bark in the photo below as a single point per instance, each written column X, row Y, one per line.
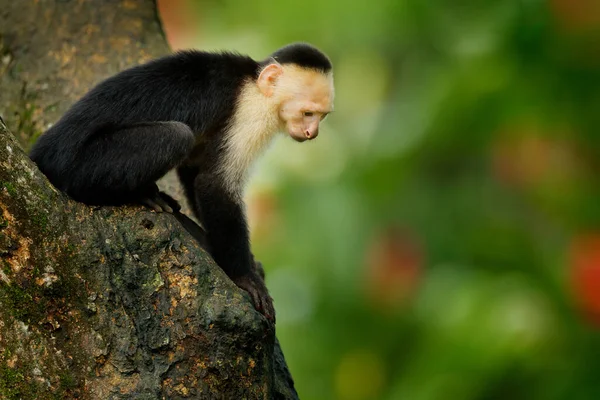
column 119, row 302
column 107, row 302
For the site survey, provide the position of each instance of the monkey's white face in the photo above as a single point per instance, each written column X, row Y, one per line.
column 304, row 96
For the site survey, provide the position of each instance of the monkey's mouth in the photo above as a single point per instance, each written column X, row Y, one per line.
column 299, row 139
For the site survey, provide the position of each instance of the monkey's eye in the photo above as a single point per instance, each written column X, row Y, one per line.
column 308, row 113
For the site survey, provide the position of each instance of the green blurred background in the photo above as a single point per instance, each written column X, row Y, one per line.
column 440, row 240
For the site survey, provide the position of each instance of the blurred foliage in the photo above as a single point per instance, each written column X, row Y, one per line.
column 441, row 238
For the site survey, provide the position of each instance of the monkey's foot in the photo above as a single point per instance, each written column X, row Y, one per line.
column 161, row 202
column 255, row 286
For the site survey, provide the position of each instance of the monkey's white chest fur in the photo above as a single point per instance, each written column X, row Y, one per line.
column 254, row 123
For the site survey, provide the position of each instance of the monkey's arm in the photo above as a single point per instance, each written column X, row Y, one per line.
column 228, row 239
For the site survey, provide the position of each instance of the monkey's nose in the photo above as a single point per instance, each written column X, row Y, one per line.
column 311, row 135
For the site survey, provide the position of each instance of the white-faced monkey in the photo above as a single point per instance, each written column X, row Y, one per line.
column 208, row 115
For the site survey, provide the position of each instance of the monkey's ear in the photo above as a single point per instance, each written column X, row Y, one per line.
column 267, row 78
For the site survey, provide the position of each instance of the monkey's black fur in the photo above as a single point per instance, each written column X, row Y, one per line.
column 114, row 143
column 303, row 55
column 137, row 125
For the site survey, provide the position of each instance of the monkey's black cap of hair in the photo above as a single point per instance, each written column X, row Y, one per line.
column 303, row 55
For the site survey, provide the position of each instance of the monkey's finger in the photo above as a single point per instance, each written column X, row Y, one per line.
column 257, row 301
column 266, row 304
column 146, row 201
column 158, row 199
column 269, row 309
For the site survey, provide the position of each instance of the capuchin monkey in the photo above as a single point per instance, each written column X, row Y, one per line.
column 209, row 115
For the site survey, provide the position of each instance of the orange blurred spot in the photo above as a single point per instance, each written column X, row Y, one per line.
column 524, row 157
column 394, row 262
column 585, row 274
column 179, row 22
column 580, row 15
column 263, row 214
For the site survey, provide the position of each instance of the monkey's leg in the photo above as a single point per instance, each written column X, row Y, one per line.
column 187, row 176
column 122, row 166
column 228, row 239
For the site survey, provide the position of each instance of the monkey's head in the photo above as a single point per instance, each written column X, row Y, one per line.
column 299, row 80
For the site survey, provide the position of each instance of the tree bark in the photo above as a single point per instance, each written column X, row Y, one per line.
column 53, row 51
column 107, row 302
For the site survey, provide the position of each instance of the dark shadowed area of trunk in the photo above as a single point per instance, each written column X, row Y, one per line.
column 105, row 302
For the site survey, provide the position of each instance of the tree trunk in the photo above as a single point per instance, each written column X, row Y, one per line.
column 107, row 302
column 53, row 51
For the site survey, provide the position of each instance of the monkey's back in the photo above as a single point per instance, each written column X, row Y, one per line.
column 193, row 87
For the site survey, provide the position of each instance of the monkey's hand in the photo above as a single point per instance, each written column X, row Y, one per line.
column 252, row 283
column 160, row 202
